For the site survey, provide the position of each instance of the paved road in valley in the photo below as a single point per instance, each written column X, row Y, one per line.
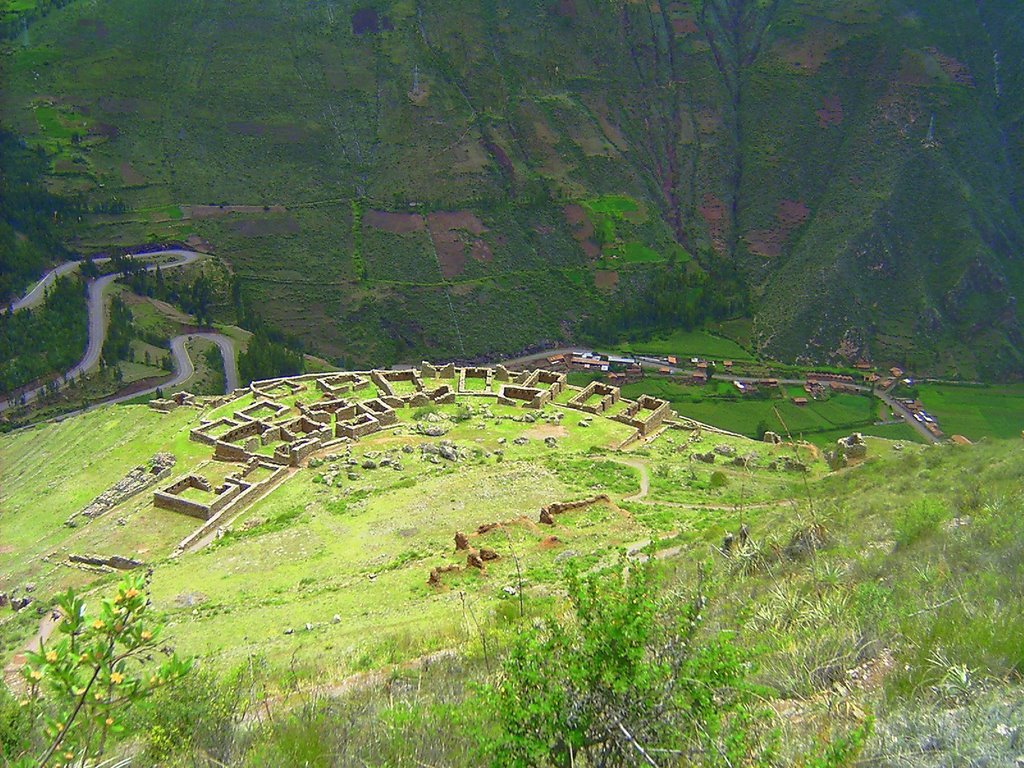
column 98, row 325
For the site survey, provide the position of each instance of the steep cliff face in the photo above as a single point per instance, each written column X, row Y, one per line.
column 859, row 164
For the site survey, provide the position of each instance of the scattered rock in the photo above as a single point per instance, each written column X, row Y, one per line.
column 773, row 437
column 520, row 441
column 309, row 627
column 369, row 464
column 473, row 560
column 488, row 554
column 725, row 450
column 461, row 541
column 550, row 442
column 336, row 619
column 289, row 631
column 707, row 458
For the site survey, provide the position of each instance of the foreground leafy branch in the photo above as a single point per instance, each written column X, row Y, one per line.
column 78, row 685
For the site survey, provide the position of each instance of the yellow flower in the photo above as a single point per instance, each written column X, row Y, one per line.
column 35, row 674
column 146, row 634
column 131, row 592
column 69, row 755
column 109, row 721
column 51, row 656
column 116, row 677
column 97, row 624
column 60, row 726
column 98, row 696
column 23, row 702
column 78, row 691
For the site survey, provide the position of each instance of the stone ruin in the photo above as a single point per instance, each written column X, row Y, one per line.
column 236, row 488
column 847, row 448
column 137, row 480
column 548, row 512
column 276, row 428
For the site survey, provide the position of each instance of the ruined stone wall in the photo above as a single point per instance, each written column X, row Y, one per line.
column 609, row 396
column 224, row 451
column 653, row 411
column 360, row 425
column 528, row 397
column 548, row 512
column 201, row 434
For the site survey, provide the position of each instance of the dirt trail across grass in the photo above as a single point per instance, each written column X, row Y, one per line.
column 12, row 672
column 645, row 478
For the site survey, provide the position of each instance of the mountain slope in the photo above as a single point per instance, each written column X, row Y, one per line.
column 857, row 164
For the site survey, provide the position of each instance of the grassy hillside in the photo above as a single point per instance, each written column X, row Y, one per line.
column 389, row 179
column 890, row 587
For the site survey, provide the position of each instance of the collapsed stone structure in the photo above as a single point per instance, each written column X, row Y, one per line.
column 850, row 447
column 137, row 480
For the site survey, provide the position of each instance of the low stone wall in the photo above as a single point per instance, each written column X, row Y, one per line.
column 114, row 561
column 609, row 396
column 528, row 397
column 548, row 512
column 379, row 410
column 430, row 371
column 201, row 434
column 358, row 426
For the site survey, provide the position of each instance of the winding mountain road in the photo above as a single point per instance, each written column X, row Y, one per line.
column 98, row 327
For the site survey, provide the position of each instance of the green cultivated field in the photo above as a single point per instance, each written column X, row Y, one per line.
column 820, row 421
column 976, row 412
column 687, row 344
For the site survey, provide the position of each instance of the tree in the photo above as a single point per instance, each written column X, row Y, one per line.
column 79, row 685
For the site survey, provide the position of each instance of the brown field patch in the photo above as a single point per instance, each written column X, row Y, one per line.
column 582, row 229
column 792, row 213
column 130, row 176
column 550, row 542
column 6, row 549
column 771, row 242
column 395, row 223
column 480, row 251
column 446, row 229
column 765, row 242
column 606, row 279
column 106, row 130
column 831, row 112
column 501, row 158
column 541, row 431
column 456, row 220
column 713, row 212
column 284, row 225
